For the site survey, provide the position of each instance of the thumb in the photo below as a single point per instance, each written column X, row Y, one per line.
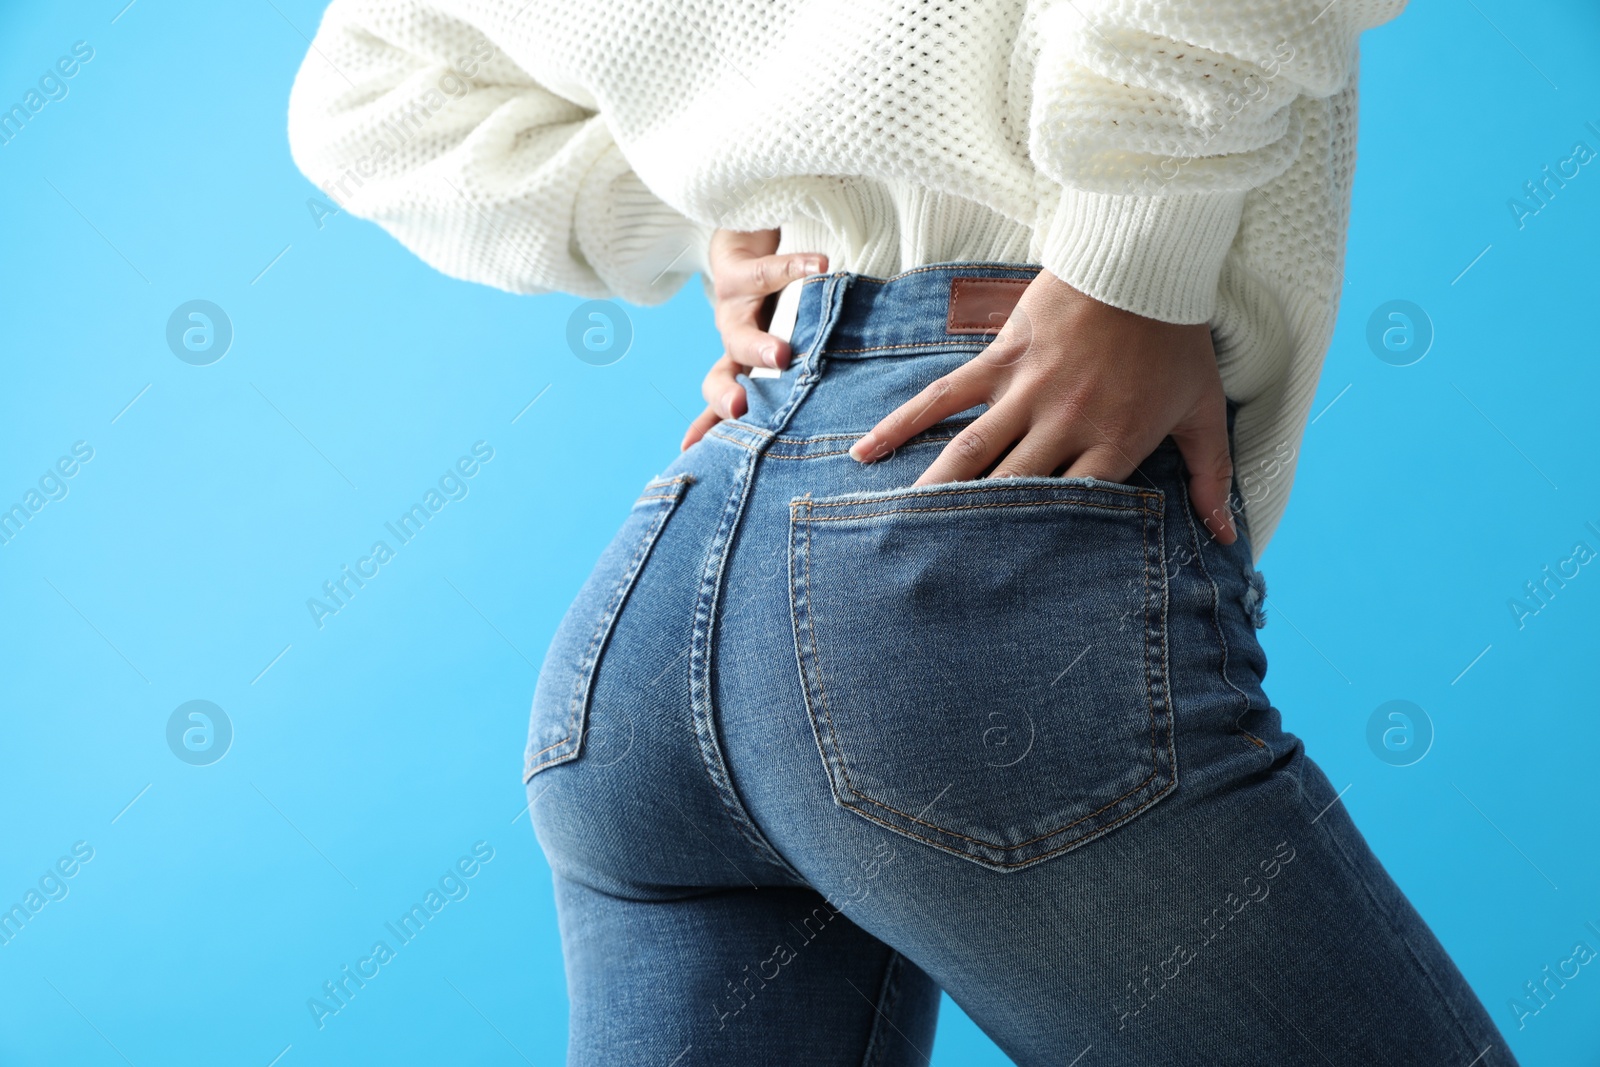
column 1202, row 438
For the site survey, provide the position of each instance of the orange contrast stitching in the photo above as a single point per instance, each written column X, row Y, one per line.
column 1001, row 485
column 833, row 732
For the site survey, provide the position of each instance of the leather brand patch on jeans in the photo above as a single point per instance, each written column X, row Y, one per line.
column 982, row 305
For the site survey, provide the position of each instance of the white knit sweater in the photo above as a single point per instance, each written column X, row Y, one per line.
column 1187, row 160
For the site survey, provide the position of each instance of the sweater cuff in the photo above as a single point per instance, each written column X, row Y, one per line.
column 641, row 249
column 698, row 258
column 1156, row 256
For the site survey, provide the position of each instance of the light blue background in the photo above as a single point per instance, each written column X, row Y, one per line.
column 377, row 750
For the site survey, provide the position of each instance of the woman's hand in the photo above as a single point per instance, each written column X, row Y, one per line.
column 744, row 275
column 1077, row 384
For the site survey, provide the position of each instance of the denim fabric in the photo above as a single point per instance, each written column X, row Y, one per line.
column 811, row 745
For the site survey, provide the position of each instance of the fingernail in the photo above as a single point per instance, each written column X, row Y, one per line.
column 725, row 408
column 813, row 266
column 866, row 450
column 769, row 355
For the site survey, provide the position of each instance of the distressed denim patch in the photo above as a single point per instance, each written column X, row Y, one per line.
column 1255, row 599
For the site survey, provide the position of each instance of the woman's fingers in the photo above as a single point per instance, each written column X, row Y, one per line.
column 724, row 396
column 1104, row 461
column 1064, row 370
column 1039, row 454
column 952, row 393
column 971, row 451
column 697, row 429
column 754, row 347
column 1203, row 440
column 745, row 275
column 722, row 390
column 743, row 284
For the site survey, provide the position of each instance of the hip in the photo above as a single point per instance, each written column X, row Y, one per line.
column 992, row 631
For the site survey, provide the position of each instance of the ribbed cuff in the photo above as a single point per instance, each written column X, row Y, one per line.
column 1156, row 256
column 698, row 258
column 640, row 249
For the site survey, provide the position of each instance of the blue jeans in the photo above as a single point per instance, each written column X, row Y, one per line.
column 811, row 745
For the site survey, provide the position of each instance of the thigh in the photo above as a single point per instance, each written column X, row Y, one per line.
column 770, row 976
column 1021, row 738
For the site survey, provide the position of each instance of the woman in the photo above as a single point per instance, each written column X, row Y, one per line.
column 931, row 662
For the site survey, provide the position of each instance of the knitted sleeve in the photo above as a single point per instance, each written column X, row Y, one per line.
column 1151, row 120
column 416, row 120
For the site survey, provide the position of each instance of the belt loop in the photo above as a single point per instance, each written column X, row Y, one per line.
column 810, row 363
column 831, row 310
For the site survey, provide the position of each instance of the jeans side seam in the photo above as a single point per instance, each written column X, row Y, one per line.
column 888, row 994
column 1388, row 917
column 1216, row 625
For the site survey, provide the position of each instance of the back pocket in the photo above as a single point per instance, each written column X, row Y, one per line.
column 985, row 662
column 561, row 696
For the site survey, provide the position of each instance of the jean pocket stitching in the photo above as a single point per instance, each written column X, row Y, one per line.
column 844, row 771
column 1031, row 860
column 960, row 507
column 583, row 683
column 1163, row 765
column 1151, row 499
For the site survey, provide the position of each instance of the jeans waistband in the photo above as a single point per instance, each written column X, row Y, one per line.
column 835, row 388
column 845, row 315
